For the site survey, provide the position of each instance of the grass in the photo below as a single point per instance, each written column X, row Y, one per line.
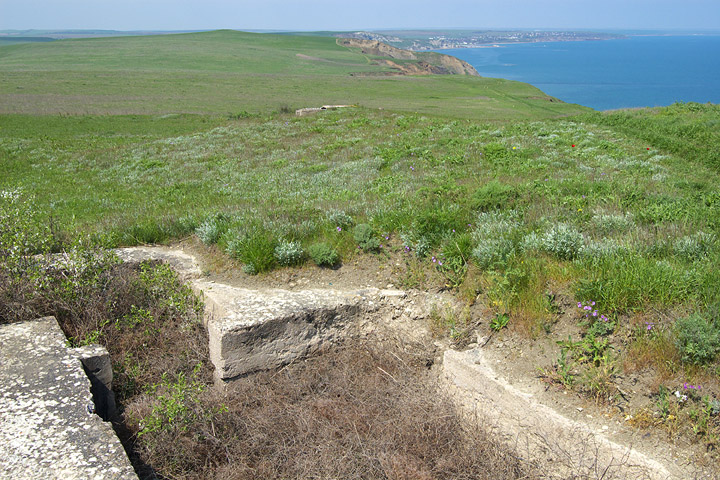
column 226, row 72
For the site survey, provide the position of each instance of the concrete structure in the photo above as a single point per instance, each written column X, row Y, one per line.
column 48, row 428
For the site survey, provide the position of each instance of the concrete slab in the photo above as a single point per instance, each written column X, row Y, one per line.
column 253, row 330
column 47, row 430
column 570, row 449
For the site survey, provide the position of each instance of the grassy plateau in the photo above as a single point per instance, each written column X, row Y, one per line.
column 484, row 186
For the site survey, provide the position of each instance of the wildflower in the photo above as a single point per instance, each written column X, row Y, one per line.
column 339, row 229
column 439, row 263
column 595, row 313
column 412, row 168
column 453, row 230
column 579, row 305
column 573, row 145
column 649, row 325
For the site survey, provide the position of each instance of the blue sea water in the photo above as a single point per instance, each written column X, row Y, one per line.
column 638, row 71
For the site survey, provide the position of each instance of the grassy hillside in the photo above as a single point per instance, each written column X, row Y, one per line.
column 228, row 72
column 544, row 217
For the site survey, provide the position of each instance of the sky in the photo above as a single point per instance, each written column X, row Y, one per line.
column 358, row 15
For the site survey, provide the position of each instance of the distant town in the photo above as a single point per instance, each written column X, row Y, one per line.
column 439, row 40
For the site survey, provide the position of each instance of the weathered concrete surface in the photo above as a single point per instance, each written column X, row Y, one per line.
column 569, row 449
column 98, row 367
column 254, row 330
column 47, row 430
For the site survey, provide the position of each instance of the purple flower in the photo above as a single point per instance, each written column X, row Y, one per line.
column 412, row 168
column 439, row 263
column 587, row 307
column 579, row 305
column 595, row 313
column 649, row 325
column 339, row 229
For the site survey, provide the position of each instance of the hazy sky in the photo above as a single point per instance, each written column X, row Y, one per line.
column 355, row 15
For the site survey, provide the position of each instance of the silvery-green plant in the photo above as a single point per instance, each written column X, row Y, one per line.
column 598, row 250
column 492, row 251
column 289, row 253
column 339, row 218
column 532, row 242
column 496, row 224
column 417, row 243
column 608, row 223
column 694, row 247
column 210, row 231
column 563, row 241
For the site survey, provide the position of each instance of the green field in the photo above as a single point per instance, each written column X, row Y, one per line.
column 480, row 186
column 228, row 72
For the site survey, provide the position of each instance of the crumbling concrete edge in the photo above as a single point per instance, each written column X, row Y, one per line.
column 566, row 446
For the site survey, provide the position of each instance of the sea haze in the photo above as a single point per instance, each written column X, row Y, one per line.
column 639, row 71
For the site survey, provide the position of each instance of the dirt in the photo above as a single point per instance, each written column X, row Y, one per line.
column 521, row 361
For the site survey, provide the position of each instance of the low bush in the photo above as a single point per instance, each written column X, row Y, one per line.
column 289, row 253
column 210, row 231
column 563, row 241
column 323, row 255
column 364, row 236
column 698, row 338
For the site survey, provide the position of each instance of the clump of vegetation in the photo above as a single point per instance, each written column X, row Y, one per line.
column 563, row 240
column 212, row 229
column 323, row 254
column 698, row 338
column 365, row 237
column 289, row 253
column 255, row 248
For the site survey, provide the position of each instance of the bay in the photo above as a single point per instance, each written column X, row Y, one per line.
column 638, row 71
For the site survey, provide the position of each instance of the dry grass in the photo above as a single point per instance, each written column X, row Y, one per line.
column 358, row 411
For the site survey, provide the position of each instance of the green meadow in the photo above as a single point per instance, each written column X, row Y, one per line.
column 228, row 72
column 498, row 191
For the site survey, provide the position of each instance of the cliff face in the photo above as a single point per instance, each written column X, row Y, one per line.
column 373, row 47
column 429, row 63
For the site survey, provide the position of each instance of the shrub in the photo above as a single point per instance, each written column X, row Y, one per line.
column 289, row 253
column 339, row 218
column 365, row 238
column 608, row 223
column 694, row 247
column 492, row 252
column 210, row 231
column 698, row 339
column 256, row 249
column 496, row 224
column 418, row 243
column 563, row 241
column 323, row 254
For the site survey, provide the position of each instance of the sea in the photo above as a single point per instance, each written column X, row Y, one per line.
column 637, row 71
